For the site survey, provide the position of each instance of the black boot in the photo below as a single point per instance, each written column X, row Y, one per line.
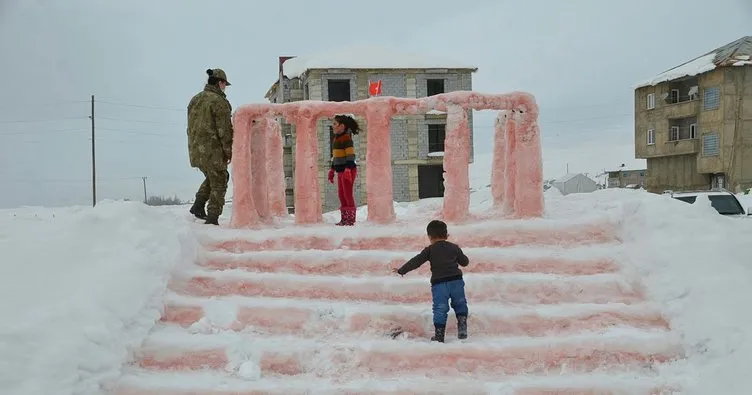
column 212, row 221
column 439, row 336
column 462, row 327
column 198, row 209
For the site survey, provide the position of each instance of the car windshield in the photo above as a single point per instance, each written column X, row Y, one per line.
column 724, row 204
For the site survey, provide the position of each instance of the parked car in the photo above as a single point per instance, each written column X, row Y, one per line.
column 722, row 201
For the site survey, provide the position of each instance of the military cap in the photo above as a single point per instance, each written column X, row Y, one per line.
column 218, row 74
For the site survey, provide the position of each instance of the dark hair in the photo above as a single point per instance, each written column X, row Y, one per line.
column 437, row 230
column 350, row 123
column 212, row 79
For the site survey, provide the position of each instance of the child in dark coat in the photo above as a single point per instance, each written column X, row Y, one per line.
column 446, row 279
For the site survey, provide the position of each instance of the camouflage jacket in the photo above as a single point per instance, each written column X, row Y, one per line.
column 210, row 128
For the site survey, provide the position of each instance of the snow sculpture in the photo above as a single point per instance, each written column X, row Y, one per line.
column 516, row 176
column 275, row 168
column 456, row 166
column 379, row 160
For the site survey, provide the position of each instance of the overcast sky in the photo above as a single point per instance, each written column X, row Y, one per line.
column 145, row 59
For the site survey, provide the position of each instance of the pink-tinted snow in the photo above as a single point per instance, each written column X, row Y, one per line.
column 259, row 175
column 498, row 167
column 241, row 176
column 379, row 162
column 516, row 177
column 275, row 169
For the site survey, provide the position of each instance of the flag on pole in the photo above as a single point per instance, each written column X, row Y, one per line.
column 374, row 88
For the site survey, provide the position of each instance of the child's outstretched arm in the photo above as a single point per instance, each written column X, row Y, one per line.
column 462, row 258
column 414, row 263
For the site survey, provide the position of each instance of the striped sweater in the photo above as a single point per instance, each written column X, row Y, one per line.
column 343, row 152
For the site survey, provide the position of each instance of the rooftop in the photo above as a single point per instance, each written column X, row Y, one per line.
column 370, row 57
column 737, row 53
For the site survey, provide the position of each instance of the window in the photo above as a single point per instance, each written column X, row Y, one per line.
column 674, row 96
column 651, row 101
column 339, row 90
column 712, row 98
column 436, row 136
column 674, row 133
column 651, row 137
column 693, row 131
column 710, row 144
column 434, row 86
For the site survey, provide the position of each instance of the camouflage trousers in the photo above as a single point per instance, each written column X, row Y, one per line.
column 213, row 190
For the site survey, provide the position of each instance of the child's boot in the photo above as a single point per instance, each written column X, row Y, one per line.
column 439, row 335
column 462, row 327
column 341, row 217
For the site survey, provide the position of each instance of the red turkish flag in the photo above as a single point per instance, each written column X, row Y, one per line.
column 374, row 88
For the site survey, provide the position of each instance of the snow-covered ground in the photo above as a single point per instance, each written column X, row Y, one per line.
column 81, row 287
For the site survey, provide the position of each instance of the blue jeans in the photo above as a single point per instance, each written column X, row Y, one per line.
column 441, row 293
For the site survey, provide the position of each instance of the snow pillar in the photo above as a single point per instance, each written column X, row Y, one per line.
column 456, row 165
column 244, row 213
column 275, row 169
column 529, row 182
column 307, row 197
column 510, row 164
column 379, row 162
column 259, row 175
column 498, row 166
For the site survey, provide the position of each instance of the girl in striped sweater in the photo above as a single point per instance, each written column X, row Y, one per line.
column 343, row 163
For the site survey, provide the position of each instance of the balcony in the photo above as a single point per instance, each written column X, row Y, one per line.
column 675, row 147
column 682, row 109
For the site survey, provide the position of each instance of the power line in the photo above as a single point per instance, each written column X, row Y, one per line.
column 142, row 133
column 42, row 131
column 45, row 120
column 142, row 121
column 142, row 106
column 57, row 103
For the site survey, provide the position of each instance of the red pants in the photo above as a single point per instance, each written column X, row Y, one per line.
column 345, row 190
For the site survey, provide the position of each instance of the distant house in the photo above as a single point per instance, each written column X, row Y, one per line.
column 575, row 183
column 625, row 178
column 351, row 74
column 693, row 123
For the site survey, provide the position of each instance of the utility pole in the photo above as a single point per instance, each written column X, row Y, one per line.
column 93, row 159
column 144, row 180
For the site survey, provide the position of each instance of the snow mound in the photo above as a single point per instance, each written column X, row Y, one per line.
column 81, row 288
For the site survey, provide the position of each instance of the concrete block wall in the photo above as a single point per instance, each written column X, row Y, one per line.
column 409, row 134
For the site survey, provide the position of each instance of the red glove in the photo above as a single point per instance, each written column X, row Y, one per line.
column 349, row 175
column 331, row 176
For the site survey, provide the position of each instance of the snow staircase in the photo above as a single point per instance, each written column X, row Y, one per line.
column 295, row 312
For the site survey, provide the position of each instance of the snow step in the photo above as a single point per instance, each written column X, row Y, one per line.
column 308, row 321
column 144, row 382
column 490, row 236
column 509, row 289
column 169, row 350
column 483, row 260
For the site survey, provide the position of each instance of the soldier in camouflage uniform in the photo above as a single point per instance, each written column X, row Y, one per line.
column 210, row 145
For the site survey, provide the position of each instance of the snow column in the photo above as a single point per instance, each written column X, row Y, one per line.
column 529, row 182
column 456, row 166
column 498, row 167
column 244, row 213
column 307, row 198
column 275, row 169
column 510, row 164
column 259, row 176
column 379, row 162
